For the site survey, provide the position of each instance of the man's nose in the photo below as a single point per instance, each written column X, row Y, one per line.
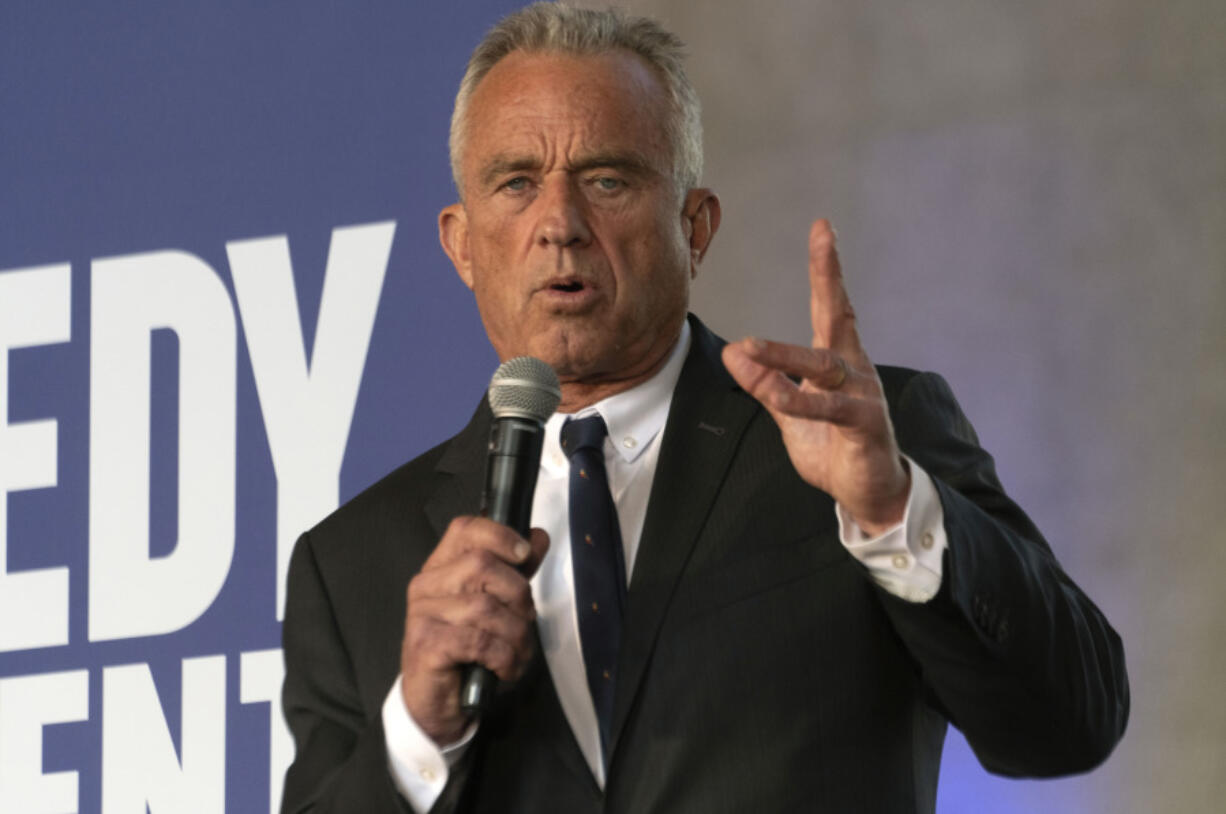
column 563, row 221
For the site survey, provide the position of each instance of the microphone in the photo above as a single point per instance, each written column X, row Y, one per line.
column 523, row 394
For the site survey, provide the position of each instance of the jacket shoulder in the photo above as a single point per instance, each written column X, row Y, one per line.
column 894, row 380
column 393, row 492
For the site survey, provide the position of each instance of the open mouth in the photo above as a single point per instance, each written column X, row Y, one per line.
column 569, row 293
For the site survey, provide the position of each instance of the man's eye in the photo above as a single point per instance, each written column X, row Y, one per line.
column 608, row 184
column 517, row 184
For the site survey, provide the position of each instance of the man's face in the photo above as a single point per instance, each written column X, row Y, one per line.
column 572, row 235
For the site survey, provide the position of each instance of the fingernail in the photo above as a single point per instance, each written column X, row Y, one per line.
column 522, row 550
column 755, row 343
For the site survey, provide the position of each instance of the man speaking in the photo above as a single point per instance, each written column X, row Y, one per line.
column 761, row 577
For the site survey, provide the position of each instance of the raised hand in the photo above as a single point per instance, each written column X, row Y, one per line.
column 834, row 422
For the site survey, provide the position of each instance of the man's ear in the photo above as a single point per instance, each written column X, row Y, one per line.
column 453, row 234
column 700, row 219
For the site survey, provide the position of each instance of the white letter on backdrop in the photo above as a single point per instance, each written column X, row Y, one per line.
column 35, row 309
column 308, row 407
column 27, row 704
column 139, row 764
column 130, row 593
column 262, row 672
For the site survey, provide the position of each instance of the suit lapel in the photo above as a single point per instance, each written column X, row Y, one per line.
column 462, row 466
column 705, row 422
column 550, row 718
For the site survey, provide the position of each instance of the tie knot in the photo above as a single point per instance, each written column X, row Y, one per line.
column 584, row 433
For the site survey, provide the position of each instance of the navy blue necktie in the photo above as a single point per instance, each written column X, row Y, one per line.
column 597, row 561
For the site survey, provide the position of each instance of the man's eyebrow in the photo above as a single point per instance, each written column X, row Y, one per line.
column 501, row 165
column 629, row 161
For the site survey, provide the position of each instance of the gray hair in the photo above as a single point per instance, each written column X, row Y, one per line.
column 556, row 27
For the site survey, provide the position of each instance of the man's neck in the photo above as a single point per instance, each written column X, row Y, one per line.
column 578, row 395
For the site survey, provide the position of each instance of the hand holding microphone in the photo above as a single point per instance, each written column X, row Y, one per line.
column 470, row 612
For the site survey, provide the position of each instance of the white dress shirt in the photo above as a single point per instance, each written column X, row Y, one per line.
column 906, row 560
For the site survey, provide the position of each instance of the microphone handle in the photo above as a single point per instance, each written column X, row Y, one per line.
column 510, row 481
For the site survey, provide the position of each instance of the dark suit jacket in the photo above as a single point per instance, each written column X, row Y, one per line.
column 760, row 669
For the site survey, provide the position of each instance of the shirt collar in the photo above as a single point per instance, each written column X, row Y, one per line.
column 635, row 416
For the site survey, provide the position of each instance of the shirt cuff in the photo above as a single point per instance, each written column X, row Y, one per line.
column 418, row 766
column 906, row 559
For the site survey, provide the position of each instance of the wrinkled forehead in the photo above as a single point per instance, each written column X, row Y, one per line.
column 612, row 101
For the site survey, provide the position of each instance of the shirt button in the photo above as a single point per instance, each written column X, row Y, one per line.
column 629, row 443
column 927, row 540
column 900, row 561
column 427, row 775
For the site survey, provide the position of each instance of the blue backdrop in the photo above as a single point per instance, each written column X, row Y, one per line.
column 131, row 129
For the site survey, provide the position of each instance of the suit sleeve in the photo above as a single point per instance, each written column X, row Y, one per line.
column 340, row 763
column 1013, row 652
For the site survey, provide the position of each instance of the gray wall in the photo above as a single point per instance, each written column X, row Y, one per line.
column 1030, row 199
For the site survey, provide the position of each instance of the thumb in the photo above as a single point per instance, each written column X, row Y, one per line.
column 539, row 540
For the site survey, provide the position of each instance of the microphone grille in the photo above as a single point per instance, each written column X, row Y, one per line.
column 524, row 387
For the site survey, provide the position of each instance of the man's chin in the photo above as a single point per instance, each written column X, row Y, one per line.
column 595, row 353
column 572, row 367
column 573, row 351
